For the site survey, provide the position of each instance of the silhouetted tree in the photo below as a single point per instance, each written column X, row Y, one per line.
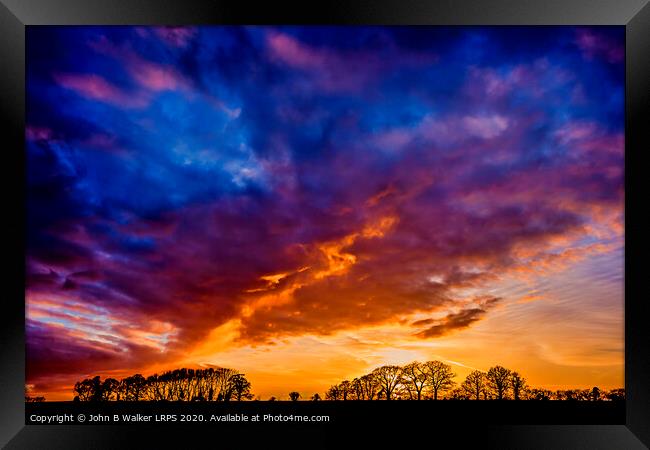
column 388, row 378
column 568, row 395
column 85, row 389
column 345, row 389
column 93, row 389
column 32, row 399
column 518, row 384
column 357, row 389
column 413, row 381
column 499, row 379
column 475, row 384
column 583, row 394
column 540, row 394
column 132, row 388
column 369, row 386
column 333, row 393
column 220, row 384
column 595, row 394
column 615, row 395
column 241, row 387
column 439, row 377
column 109, row 389
column 414, row 378
column 460, row 393
column 572, row 394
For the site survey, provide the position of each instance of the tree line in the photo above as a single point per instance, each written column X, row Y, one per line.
column 434, row 380
column 430, row 380
column 211, row 384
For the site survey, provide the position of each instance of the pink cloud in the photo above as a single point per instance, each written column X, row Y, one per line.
column 178, row 37
column 155, row 77
column 335, row 71
column 326, row 67
column 94, row 87
column 485, row 127
column 104, row 142
column 393, row 139
column 594, row 45
column 535, row 80
column 294, row 53
column 149, row 75
column 603, row 144
column 575, row 131
column 444, row 131
column 588, row 137
column 486, row 82
column 37, row 133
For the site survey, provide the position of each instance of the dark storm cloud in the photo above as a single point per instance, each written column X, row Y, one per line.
column 455, row 321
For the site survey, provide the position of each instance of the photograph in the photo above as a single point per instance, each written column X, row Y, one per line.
column 324, row 213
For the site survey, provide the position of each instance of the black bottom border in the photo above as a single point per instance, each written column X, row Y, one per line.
column 327, row 414
column 466, row 424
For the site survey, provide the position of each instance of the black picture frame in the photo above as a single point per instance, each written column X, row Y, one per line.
column 15, row 15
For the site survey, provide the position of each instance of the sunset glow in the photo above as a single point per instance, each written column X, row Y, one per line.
column 304, row 204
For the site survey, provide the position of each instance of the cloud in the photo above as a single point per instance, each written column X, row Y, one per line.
column 485, row 127
column 292, row 181
column 37, row 134
column 149, row 75
column 176, row 36
column 296, row 54
column 457, row 320
column 595, row 44
column 340, row 72
column 94, row 87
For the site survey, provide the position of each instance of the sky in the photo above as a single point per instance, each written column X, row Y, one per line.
column 304, row 204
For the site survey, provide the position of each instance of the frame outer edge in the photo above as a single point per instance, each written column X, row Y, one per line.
column 12, row 331
column 12, row 24
column 637, row 307
column 410, row 12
